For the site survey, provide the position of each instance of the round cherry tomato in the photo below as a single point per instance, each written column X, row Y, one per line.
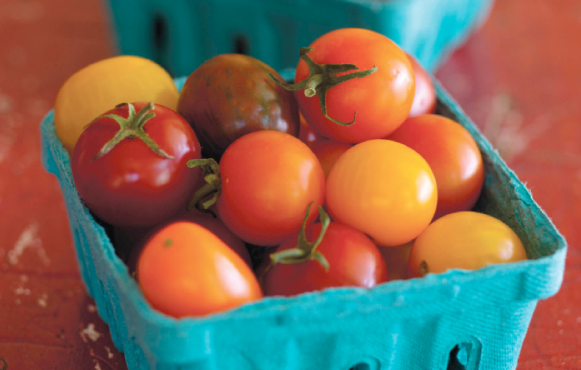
column 351, row 257
column 140, row 237
column 186, row 270
column 104, row 84
column 464, row 240
column 231, row 95
column 452, row 155
column 328, row 151
column 425, row 93
column 383, row 189
column 135, row 184
column 268, row 178
column 382, row 100
column 306, row 133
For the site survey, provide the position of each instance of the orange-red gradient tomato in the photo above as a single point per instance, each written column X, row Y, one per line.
column 186, row 270
column 268, row 180
column 328, row 151
column 354, row 260
column 425, row 93
column 383, row 189
column 382, row 100
column 464, row 240
column 453, row 156
column 306, row 133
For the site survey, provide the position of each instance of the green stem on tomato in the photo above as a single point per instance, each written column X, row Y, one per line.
column 304, row 250
column 322, row 77
column 211, row 189
column 131, row 127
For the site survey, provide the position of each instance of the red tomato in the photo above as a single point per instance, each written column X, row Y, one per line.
column 306, row 133
column 328, row 151
column 452, row 155
column 381, row 100
column 464, row 240
column 140, row 237
column 186, row 270
column 132, row 184
column 425, row 95
column 353, row 260
column 268, row 179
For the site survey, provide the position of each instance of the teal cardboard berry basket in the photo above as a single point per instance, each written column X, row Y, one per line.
column 182, row 34
column 455, row 320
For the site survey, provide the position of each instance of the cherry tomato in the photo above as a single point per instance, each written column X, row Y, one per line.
column 464, row 240
column 425, row 93
column 140, row 236
column 134, row 184
column 452, row 155
column 268, row 180
column 231, row 95
column 186, row 270
column 306, row 133
column 382, row 100
column 352, row 259
column 328, row 151
column 383, row 189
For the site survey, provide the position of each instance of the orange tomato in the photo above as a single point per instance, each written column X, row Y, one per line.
column 464, row 240
column 186, row 270
column 269, row 178
column 328, row 151
column 452, row 155
column 383, row 189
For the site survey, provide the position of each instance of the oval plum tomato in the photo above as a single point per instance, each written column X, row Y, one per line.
column 383, row 189
column 268, row 179
column 425, row 93
column 378, row 102
column 140, row 237
column 137, row 175
column 464, row 240
column 328, row 151
column 453, row 156
column 309, row 261
column 186, row 270
column 231, row 95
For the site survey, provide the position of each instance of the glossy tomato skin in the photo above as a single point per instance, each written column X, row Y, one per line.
column 384, row 189
column 464, row 240
column 268, row 180
column 453, row 156
column 425, row 94
column 186, row 270
column 140, row 237
column 382, row 100
column 132, row 185
column 354, row 260
column 231, row 95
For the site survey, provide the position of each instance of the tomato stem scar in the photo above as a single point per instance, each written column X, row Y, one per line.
column 424, row 268
column 323, row 77
column 168, row 242
column 211, row 189
column 4, row 364
column 130, row 128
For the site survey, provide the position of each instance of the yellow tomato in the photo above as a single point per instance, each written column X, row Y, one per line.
column 101, row 86
column 464, row 240
column 383, row 189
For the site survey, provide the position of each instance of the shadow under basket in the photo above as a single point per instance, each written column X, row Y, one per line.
column 454, row 320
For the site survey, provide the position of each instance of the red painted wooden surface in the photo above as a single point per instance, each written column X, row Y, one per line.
column 518, row 77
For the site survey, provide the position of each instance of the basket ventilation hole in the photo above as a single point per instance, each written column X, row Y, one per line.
column 459, row 357
column 241, row 45
column 361, row 366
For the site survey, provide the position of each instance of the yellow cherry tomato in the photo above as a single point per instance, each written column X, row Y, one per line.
column 464, row 240
column 383, row 189
column 102, row 85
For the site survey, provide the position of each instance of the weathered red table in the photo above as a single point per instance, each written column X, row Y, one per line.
column 518, row 77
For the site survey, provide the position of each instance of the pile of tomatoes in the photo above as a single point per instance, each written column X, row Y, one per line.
column 243, row 185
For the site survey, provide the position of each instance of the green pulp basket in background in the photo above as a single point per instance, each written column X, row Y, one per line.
column 456, row 320
column 182, row 34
